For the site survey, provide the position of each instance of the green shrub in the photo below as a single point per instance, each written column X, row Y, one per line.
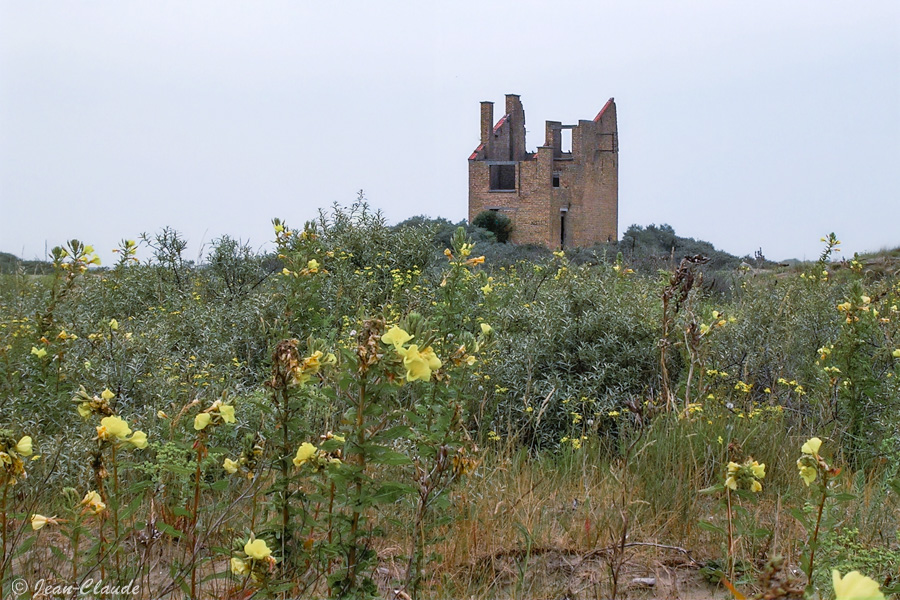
column 495, row 222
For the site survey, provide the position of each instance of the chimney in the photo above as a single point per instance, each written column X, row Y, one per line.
column 513, row 104
column 487, row 121
column 516, row 127
column 552, row 137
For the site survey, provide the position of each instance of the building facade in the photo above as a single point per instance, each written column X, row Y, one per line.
column 564, row 195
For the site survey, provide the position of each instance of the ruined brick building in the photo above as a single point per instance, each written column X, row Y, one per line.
column 559, row 196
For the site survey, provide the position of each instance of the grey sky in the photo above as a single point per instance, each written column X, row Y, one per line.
column 748, row 124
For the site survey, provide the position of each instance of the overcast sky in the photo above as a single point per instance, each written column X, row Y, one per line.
column 762, row 124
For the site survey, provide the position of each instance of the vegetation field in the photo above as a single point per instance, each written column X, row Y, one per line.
column 419, row 411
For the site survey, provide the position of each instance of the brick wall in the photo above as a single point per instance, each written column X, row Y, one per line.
column 588, row 191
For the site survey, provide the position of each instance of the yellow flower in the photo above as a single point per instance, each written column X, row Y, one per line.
column 84, row 409
column 139, row 439
column 807, row 473
column 396, row 337
column 160, row 414
column 896, row 353
column 731, row 482
column 844, row 306
column 38, row 521
column 24, row 446
column 201, row 421
column 227, row 412
column 231, row 467
column 313, row 266
column 812, row 446
column 39, row 353
column 486, row 329
column 759, row 470
column 93, row 502
column 755, row 486
column 305, row 452
column 257, row 549
column 239, row 567
column 419, row 365
column 107, row 395
column 855, row 586
column 434, row 363
column 116, row 427
column 733, row 467
column 113, row 324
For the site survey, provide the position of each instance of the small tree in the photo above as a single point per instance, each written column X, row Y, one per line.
column 495, row 222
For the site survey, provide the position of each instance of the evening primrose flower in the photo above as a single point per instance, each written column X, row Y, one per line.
column 107, row 394
column 304, row 453
column 419, row 364
column 139, row 440
column 24, row 446
column 227, row 413
column 38, row 521
column 486, row 329
column 759, row 470
column 746, row 475
column 812, row 446
column 807, row 473
column 93, row 502
column 855, row 586
column 257, row 549
column 201, row 421
column 396, row 337
column 116, row 427
column 40, row 353
column 239, row 567
column 113, row 324
column 230, row 467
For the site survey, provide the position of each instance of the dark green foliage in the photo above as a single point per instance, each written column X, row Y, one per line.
column 9, row 264
column 660, row 245
column 495, row 222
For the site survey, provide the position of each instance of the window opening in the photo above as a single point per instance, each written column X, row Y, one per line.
column 562, row 229
column 503, row 177
column 565, row 144
column 556, row 179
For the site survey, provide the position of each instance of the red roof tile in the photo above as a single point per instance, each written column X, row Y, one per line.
column 603, row 110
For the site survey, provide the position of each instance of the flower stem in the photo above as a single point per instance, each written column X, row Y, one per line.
column 815, row 537
column 194, row 511
column 114, row 505
column 3, row 533
column 730, row 538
